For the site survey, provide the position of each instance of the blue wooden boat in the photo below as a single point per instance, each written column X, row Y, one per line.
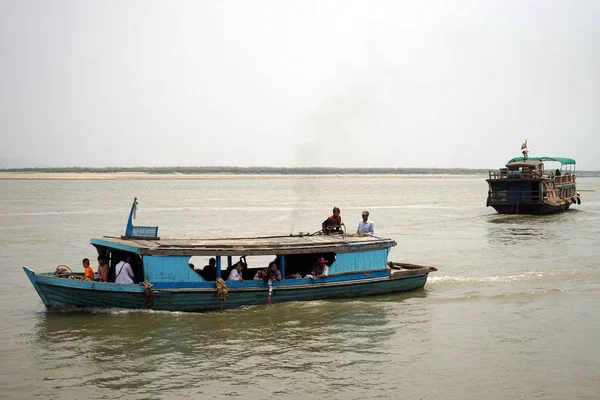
column 358, row 266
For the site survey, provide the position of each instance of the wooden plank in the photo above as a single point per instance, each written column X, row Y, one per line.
column 400, row 265
column 241, row 251
column 396, row 274
column 253, row 246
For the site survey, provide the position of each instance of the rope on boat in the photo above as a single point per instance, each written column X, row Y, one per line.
column 221, row 289
column 63, row 271
column 149, row 291
column 331, row 228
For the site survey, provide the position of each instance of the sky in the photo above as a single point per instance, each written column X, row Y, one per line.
column 398, row 84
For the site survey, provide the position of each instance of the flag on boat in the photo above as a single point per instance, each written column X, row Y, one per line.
column 524, row 145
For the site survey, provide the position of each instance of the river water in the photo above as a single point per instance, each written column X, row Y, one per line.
column 512, row 313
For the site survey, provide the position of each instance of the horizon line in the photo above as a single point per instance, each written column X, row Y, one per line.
column 253, row 169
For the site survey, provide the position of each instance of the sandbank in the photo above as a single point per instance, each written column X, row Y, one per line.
column 179, row 176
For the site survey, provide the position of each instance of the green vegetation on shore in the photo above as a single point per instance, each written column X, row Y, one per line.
column 251, row 170
column 267, row 170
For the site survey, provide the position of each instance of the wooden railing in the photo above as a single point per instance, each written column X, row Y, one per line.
column 564, row 179
column 500, row 174
column 559, row 180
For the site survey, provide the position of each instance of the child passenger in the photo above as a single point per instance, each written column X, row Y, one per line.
column 261, row 274
column 89, row 272
column 236, row 273
column 275, row 273
column 102, row 270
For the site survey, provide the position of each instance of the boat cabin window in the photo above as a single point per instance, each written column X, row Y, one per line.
column 294, row 266
column 300, row 265
column 206, row 267
column 113, row 256
column 253, row 264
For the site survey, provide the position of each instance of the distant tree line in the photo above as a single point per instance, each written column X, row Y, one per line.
column 268, row 170
column 252, row 170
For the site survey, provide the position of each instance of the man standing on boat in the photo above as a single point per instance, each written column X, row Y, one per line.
column 123, row 271
column 332, row 224
column 524, row 150
column 365, row 227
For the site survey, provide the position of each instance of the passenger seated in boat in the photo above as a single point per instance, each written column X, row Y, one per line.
column 262, row 274
column 89, row 272
column 137, row 268
column 209, row 272
column 557, row 173
column 236, row 273
column 274, row 271
column 198, row 271
column 123, row 272
column 102, row 270
column 321, row 269
column 242, row 262
column 332, row 224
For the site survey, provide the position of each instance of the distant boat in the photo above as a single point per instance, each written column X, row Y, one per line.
column 524, row 186
column 358, row 266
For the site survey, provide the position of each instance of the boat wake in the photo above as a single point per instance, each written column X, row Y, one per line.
column 98, row 310
column 558, row 275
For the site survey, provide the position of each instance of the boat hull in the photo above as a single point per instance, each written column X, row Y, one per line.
column 530, row 209
column 59, row 293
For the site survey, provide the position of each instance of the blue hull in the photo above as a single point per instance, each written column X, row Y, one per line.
column 60, row 292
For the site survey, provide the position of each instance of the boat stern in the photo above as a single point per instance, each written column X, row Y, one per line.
column 33, row 278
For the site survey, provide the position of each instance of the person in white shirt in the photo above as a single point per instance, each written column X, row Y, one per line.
column 123, row 271
column 236, row 273
column 365, row 226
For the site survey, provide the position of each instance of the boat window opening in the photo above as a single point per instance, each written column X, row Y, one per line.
column 254, row 264
column 300, row 265
column 204, row 267
column 137, row 264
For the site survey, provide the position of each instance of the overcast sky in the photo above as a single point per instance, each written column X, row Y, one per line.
column 298, row 83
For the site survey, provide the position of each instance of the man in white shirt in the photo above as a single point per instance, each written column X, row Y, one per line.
column 236, row 273
column 365, row 226
column 123, row 271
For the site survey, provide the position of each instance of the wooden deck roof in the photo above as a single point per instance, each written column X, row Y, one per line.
column 247, row 246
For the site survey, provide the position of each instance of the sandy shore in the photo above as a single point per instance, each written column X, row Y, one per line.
column 145, row 176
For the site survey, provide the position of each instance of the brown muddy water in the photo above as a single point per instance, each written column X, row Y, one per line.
column 512, row 313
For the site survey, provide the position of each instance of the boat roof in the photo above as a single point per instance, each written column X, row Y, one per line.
column 524, row 164
column 561, row 160
column 246, row 246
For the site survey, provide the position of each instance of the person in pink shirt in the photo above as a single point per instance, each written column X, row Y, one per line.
column 102, row 270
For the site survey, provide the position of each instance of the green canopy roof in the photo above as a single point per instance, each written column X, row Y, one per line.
column 561, row 160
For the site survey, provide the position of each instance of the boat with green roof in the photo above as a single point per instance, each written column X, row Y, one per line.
column 526, row 186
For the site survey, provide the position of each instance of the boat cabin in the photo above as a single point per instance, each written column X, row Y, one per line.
column 165, row 262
